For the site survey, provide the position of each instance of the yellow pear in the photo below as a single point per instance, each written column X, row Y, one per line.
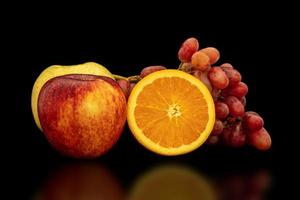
column 59, row 70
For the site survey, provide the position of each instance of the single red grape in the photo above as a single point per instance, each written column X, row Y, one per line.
column 252, row 122
column 233, row 75
column 132, row 85
column 236, row 108
column 226, row 66
column 221, row 109
column 200, row 61
column 187, row 49
column 218, row 78
column 218, row 128
column 238, row 90
column 148, row 70
column 125, row 86
column 212, row 53
column 260, row 139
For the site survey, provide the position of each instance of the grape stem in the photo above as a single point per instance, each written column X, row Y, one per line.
column 118, row 77
column 185, row 68
column 131, row 79
column 180, row 66
column 134, row 79
column 137, row 78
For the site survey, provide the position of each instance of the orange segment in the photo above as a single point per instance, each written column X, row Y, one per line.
column 170, row 112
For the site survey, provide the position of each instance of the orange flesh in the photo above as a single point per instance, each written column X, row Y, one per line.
column 171, row 112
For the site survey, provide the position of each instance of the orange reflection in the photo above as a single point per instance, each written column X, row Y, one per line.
column 81, row 182
column 171, row 182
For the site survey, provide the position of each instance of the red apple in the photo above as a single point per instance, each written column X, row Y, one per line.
column 82, row 116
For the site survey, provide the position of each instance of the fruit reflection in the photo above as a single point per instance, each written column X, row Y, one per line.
column 245, row 186
column 171, row 182
column 81, row 182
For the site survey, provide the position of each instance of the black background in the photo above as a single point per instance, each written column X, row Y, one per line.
column 251, row 40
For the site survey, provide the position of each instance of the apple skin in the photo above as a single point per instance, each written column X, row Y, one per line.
column 82, row 116
column 60, row 70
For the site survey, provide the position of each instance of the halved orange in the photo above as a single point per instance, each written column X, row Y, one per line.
column 170, row 112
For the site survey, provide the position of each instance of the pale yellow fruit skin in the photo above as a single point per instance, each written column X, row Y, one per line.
column 60, row 70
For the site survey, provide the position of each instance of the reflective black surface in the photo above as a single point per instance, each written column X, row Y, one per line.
column 163, row 181
column 33, row 170
column 129, row 171
column 139, row 179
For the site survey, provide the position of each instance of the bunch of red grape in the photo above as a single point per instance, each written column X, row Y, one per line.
column 233, row 126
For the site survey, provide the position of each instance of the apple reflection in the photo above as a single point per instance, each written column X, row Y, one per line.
column 171, row 182
column 81, row 182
